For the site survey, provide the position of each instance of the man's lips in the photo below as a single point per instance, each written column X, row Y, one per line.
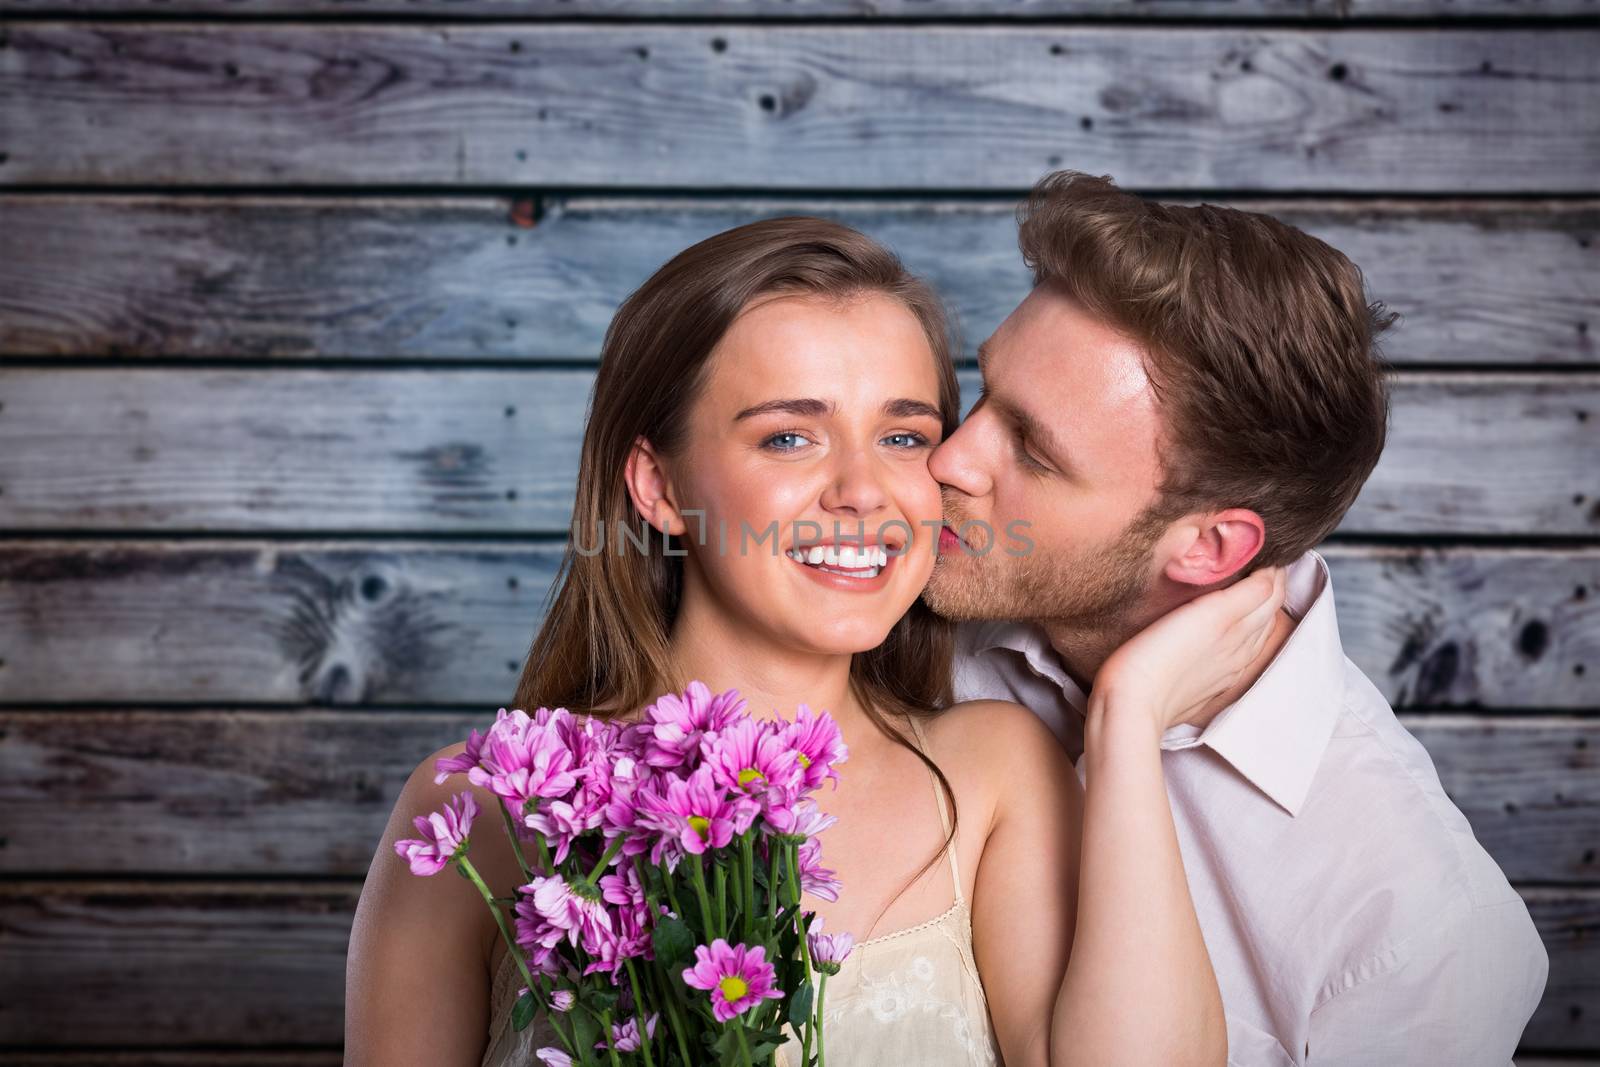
column 949, row 540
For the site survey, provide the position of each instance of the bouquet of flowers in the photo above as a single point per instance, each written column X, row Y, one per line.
column 659, row 918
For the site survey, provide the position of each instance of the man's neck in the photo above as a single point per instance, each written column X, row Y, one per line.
column 1083, row 652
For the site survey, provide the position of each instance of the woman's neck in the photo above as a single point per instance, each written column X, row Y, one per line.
column 709, row 646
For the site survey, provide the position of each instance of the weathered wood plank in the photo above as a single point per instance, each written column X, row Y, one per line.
column 207, row 792
column 228, row 964
column 203, row 792
column 247, row 964
column 37, row 1057
column 472, row 277
column 490, row 451
column 1229, row 10
column 1569, row 1015
column 1528, row 785
column 416, row 623
column 889, row 107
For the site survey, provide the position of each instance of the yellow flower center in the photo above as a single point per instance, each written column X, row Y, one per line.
column 700, row 825
column 804, row 761
column 748, row 775
column 733, row 988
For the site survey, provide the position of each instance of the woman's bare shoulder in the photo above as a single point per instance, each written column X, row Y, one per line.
column 983, row 725
column 1004, row 741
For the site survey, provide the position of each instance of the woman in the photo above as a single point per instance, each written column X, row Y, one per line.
column 766, row 402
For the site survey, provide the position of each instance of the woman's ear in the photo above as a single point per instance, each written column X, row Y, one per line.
column 651, row 489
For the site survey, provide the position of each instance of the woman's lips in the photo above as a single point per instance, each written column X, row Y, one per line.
column 849, row 583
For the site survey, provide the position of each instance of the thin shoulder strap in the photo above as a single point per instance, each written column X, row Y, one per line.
column 944, row 813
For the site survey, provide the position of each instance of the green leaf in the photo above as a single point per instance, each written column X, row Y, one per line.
column 522, row 1012
column 673, row 942
column 586, row 1027
column 800, row 1005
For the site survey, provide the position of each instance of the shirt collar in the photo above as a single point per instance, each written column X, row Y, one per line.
column 1275, row 734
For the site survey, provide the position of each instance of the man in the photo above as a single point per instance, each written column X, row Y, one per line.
column 1188, row 394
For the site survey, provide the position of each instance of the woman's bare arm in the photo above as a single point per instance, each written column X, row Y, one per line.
column 1024, row 901
column 417, row 976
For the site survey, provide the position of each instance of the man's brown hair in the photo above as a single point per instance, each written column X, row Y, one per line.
column 1260, row 341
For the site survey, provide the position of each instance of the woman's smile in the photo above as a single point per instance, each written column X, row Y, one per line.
column 855, row 569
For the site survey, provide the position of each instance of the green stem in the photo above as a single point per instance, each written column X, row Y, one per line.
column 511, row 945
column 722, row 899
column 744, row 1046
column 645, row 1040
column 605, row 860
column 545, row 866
column 666, row 882
column 747, row 860
column 822, row 990
column 805, row 956
column 772, row 884
column 792, row 855
column 516, row 843
column 611, row 1038
column 697, row 875
column 679, row 1027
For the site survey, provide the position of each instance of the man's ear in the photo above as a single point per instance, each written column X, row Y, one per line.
column 1223, row 543
column 651, row 489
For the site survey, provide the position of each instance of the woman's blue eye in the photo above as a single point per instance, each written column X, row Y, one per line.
column 771, row 441
column 914, row 440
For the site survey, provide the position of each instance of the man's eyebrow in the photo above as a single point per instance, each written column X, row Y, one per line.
column 810, row 407
column 983, row 357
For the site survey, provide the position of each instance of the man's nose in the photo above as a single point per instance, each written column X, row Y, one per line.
column 961, row 461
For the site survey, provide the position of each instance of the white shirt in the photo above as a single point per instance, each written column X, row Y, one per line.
column 1350, row 914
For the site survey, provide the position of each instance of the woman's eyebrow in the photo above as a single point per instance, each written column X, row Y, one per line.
column 810, row 407
column 906, row 408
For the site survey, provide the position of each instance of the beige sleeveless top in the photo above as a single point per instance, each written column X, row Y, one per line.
column 911, row 996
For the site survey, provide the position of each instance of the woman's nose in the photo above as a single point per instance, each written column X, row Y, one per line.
column 856, row 487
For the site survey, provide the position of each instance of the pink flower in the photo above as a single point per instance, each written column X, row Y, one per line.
column 562, row 1000
column 818, row 746
column 570, row 910
column 551, row 1056
column 466, row 760
column 526, row 757
column 751, row 757
column 803, row 819
column 625, row 1036
column 737, row 978
column 695, row 812
column 827, row 950
column 814, row 877
column 444, row 835
column 677, row 723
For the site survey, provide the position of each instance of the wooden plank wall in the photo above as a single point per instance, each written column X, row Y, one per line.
column 299, row 306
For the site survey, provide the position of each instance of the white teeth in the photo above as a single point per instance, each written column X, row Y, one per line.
column 870, row 573
column 832, row 557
